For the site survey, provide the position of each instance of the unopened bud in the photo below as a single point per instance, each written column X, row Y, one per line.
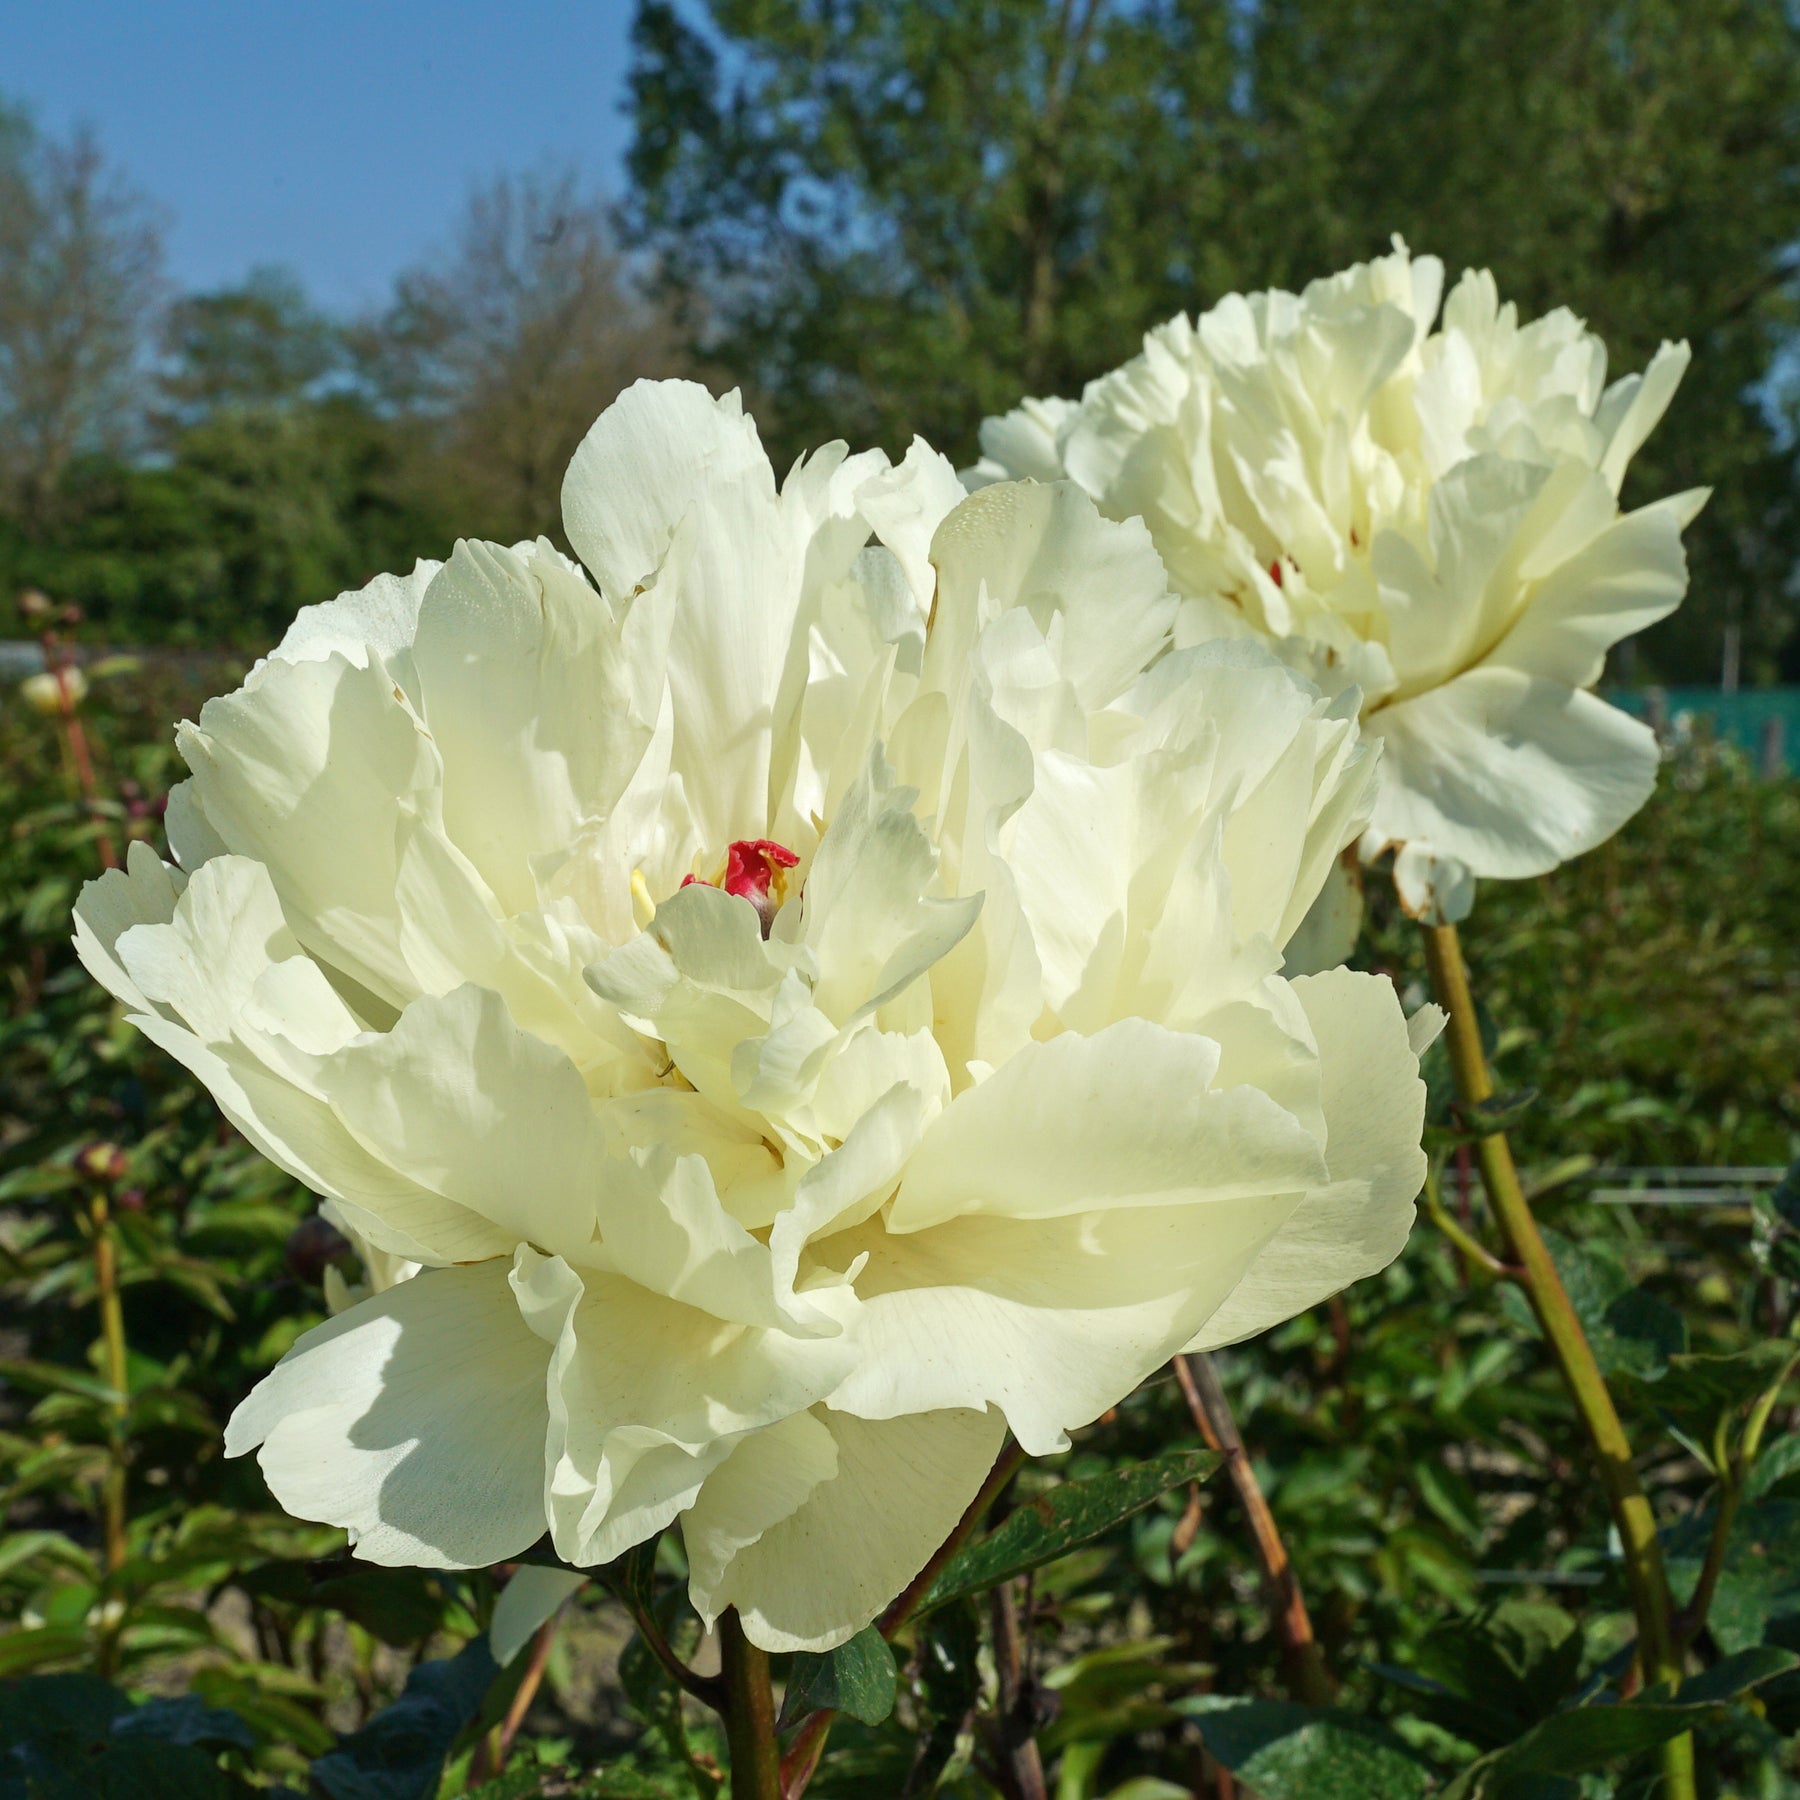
column 52, row 691
column 101, row 1162
column 312, row 1247
column 34, row 604
column 129, row 1199
column 72, row 614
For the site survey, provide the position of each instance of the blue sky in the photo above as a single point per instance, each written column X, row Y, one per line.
column 334, row 137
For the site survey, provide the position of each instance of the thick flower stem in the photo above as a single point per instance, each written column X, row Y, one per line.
column 1293, row 1624
column 749, row 1714
column 1632, row 1514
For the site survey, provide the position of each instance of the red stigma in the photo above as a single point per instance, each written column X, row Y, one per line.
column 1275, row 573
column 754, row 870
column 750, row 866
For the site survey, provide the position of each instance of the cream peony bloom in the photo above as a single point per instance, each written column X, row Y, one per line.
column 1428, row 516
column 806, row 990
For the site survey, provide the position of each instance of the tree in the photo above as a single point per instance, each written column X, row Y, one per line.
column 898, row 218
column 80, row 269
column 509, row 346
column 258, row 345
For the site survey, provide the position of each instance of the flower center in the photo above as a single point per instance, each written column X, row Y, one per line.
column 755, row 869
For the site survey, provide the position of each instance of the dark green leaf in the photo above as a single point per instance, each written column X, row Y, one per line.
column 1050, row 1525
column 187, row 1720
column 1492, row 1675
column 1589, row 1738
column 1693, row 1391
column 1760, row 1581
column 1290, row 1752
column 400, row 1753
column 856, row 1678
column 75, row 1737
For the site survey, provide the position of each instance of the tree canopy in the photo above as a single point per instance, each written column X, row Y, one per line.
column 892, row 219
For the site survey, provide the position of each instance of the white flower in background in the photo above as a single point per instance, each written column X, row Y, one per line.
column 1429, row 516
column 808, row 1005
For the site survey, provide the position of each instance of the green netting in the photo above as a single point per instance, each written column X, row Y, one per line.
column 1763, row 722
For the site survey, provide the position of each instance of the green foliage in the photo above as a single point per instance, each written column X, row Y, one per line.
column 1288, row 1752
column 72, row 1737
column 1052, row 1524
column 400, row 1753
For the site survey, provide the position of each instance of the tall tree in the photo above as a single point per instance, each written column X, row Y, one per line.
column 80, row 268
column 259, row 345
column 891, row 218
column 511, row 344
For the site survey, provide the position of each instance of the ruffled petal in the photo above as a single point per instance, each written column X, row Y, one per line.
column 1508, row 773
column 416, row 1421
column 844, row 1532
column 1357, row 1222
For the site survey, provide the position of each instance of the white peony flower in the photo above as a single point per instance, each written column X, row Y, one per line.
column 1428, row 516
column 808, row 1004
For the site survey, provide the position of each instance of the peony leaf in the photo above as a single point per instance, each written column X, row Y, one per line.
column 1695, row 1390
column 1289, row 1752
column 856, row 1678
column 74, row 1736
column 400, row 1753
column 1050, row 1525
column 1587, row 1738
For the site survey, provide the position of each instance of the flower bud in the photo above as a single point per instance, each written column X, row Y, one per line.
column 102, row 1162
column 50, row 692
column 34, row 604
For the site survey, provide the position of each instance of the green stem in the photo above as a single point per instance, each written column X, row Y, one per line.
column 113, row 1498
column 112, row 1332
column 749, row 1714
column 1475, row 1253
column 1645, row 1577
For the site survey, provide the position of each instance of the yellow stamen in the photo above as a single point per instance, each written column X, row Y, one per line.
column 643, row 908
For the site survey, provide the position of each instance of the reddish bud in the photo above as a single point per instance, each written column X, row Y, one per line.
column 101, row 1162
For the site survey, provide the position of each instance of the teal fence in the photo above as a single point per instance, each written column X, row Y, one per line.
column 1763, row 722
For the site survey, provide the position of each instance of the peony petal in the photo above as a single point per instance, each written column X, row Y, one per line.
column 1507, row 773
column 144, row 892
column 1629, row 576
column 1374, row 1105
column 469, row 1107
column 416, row 1421
column 1049, row 1320
column 1128, row 1117
column 814, row 1578
column 376, row 620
